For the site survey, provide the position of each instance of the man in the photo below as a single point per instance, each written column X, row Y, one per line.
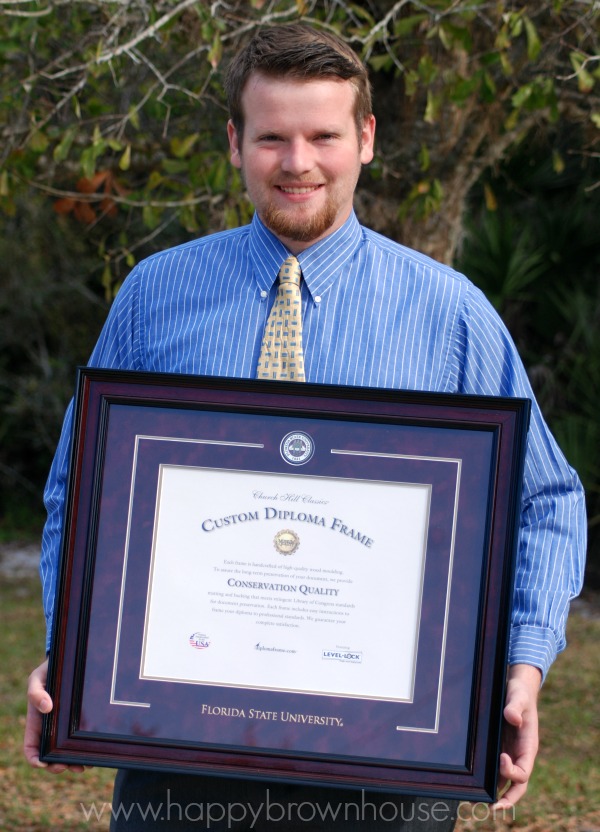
column 374, row 313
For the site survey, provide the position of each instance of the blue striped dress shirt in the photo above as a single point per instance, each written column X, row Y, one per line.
column 374, row 314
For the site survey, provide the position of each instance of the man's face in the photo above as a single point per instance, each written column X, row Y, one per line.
column 300, row 155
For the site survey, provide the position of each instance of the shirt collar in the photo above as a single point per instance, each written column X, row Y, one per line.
column 321, row 263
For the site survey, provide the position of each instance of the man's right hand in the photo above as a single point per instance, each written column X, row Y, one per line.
column 38, row 703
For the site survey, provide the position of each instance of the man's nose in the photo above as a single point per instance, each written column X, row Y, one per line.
column 298, row 157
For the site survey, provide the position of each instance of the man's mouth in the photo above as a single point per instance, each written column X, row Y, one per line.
column 299, row 190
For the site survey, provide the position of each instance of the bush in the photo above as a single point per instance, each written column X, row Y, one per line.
column 537, row 257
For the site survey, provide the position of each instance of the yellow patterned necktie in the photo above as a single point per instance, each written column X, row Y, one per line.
column 281, row 355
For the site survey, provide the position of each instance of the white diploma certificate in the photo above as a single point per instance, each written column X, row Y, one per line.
column 286, row 582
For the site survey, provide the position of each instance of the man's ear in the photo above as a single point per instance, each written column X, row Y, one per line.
column 234, row 147
column 367, row 140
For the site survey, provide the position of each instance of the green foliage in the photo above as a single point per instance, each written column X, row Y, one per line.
column 113, row 145
column 574, row 386
column 537, row 257
column 503, row 255
column 116, row 109
column 111, row 112
column 50, row 314
column 424, row 199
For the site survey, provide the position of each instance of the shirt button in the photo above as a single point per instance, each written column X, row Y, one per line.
column 263, row 294
column 318, row 299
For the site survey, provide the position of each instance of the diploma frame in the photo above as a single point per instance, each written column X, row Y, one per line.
column 442, row 738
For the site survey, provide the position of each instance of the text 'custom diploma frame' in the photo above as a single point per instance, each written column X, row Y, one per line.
column 286, row 581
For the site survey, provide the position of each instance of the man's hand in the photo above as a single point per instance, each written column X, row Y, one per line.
column 520, row 733
column 38, row 703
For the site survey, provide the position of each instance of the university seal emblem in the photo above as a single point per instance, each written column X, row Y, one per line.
column 297, row 448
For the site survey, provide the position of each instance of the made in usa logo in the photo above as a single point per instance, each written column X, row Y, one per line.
column 199, row 641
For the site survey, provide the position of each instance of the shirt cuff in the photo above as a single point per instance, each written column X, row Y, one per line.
column 533, row 645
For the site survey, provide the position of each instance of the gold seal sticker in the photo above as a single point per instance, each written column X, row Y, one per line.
column 286, row 542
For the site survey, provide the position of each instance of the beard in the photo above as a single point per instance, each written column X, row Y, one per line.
column 298, row 228
column 295, row 225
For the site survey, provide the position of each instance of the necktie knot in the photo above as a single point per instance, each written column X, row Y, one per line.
column 290, row 271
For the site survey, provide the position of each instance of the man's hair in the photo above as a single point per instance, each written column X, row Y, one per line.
column 301, row 52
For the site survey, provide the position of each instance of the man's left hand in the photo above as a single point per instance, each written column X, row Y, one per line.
column 520, row 733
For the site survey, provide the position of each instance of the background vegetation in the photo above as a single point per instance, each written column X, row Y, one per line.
column 113, row 145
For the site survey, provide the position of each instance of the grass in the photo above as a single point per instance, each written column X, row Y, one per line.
column 564, row 793
column 563, row 797
column 33, row 800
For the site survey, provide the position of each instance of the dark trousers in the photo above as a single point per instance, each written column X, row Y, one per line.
column 147, row 802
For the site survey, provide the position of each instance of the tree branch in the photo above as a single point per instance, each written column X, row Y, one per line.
column 123, row 200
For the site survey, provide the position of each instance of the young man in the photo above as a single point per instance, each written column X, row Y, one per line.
column 374, row 313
